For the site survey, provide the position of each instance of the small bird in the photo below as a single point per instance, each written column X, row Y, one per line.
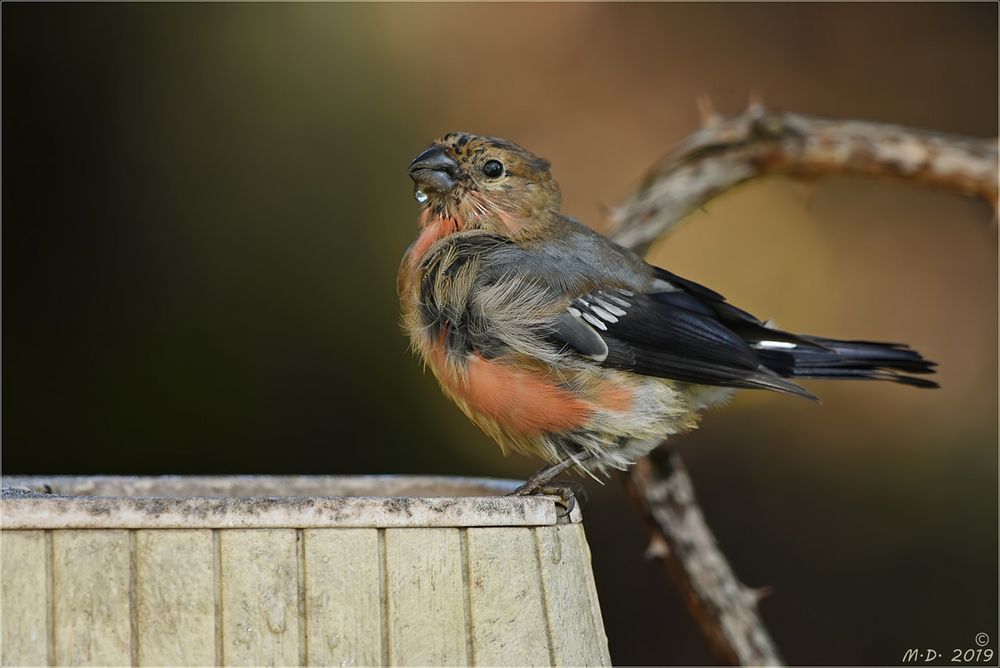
column 561, row 344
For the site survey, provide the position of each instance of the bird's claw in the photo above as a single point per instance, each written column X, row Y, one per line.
column 567, row 493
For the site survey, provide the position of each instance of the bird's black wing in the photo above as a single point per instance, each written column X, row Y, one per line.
column 678, row 330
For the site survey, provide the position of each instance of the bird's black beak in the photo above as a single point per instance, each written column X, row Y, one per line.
column 434, row 171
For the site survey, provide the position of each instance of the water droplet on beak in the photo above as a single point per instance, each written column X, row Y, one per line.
column 420, row 196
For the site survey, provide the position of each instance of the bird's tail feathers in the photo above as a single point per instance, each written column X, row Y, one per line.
column 804, row 356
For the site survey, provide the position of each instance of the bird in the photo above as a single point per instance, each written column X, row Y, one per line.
column 567, row 347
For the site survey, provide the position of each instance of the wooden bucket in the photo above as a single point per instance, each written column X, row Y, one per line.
column 293, row 570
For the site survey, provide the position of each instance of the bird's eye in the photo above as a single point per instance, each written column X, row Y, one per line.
column 493, row 168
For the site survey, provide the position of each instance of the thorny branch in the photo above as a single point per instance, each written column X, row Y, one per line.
column 724, row 153
column 724, row 608
column 728, row 151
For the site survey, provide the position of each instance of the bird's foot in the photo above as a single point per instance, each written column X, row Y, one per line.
column 539, row 483
column 565, row 493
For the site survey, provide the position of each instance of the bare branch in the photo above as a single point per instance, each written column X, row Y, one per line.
column 730, row 151
column 724, row 153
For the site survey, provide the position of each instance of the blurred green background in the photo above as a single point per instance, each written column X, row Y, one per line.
column 204, row 207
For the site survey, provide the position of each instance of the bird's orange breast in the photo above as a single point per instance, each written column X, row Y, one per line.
column 522, row 401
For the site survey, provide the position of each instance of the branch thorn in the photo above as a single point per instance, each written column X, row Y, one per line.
column 657, row 548
column 709, row 116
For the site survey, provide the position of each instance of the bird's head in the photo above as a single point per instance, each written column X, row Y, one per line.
column 485, row 183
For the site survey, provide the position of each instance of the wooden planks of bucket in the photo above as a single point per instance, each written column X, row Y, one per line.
column 293, row 570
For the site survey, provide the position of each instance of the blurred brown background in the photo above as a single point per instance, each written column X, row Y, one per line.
column 204, row 207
